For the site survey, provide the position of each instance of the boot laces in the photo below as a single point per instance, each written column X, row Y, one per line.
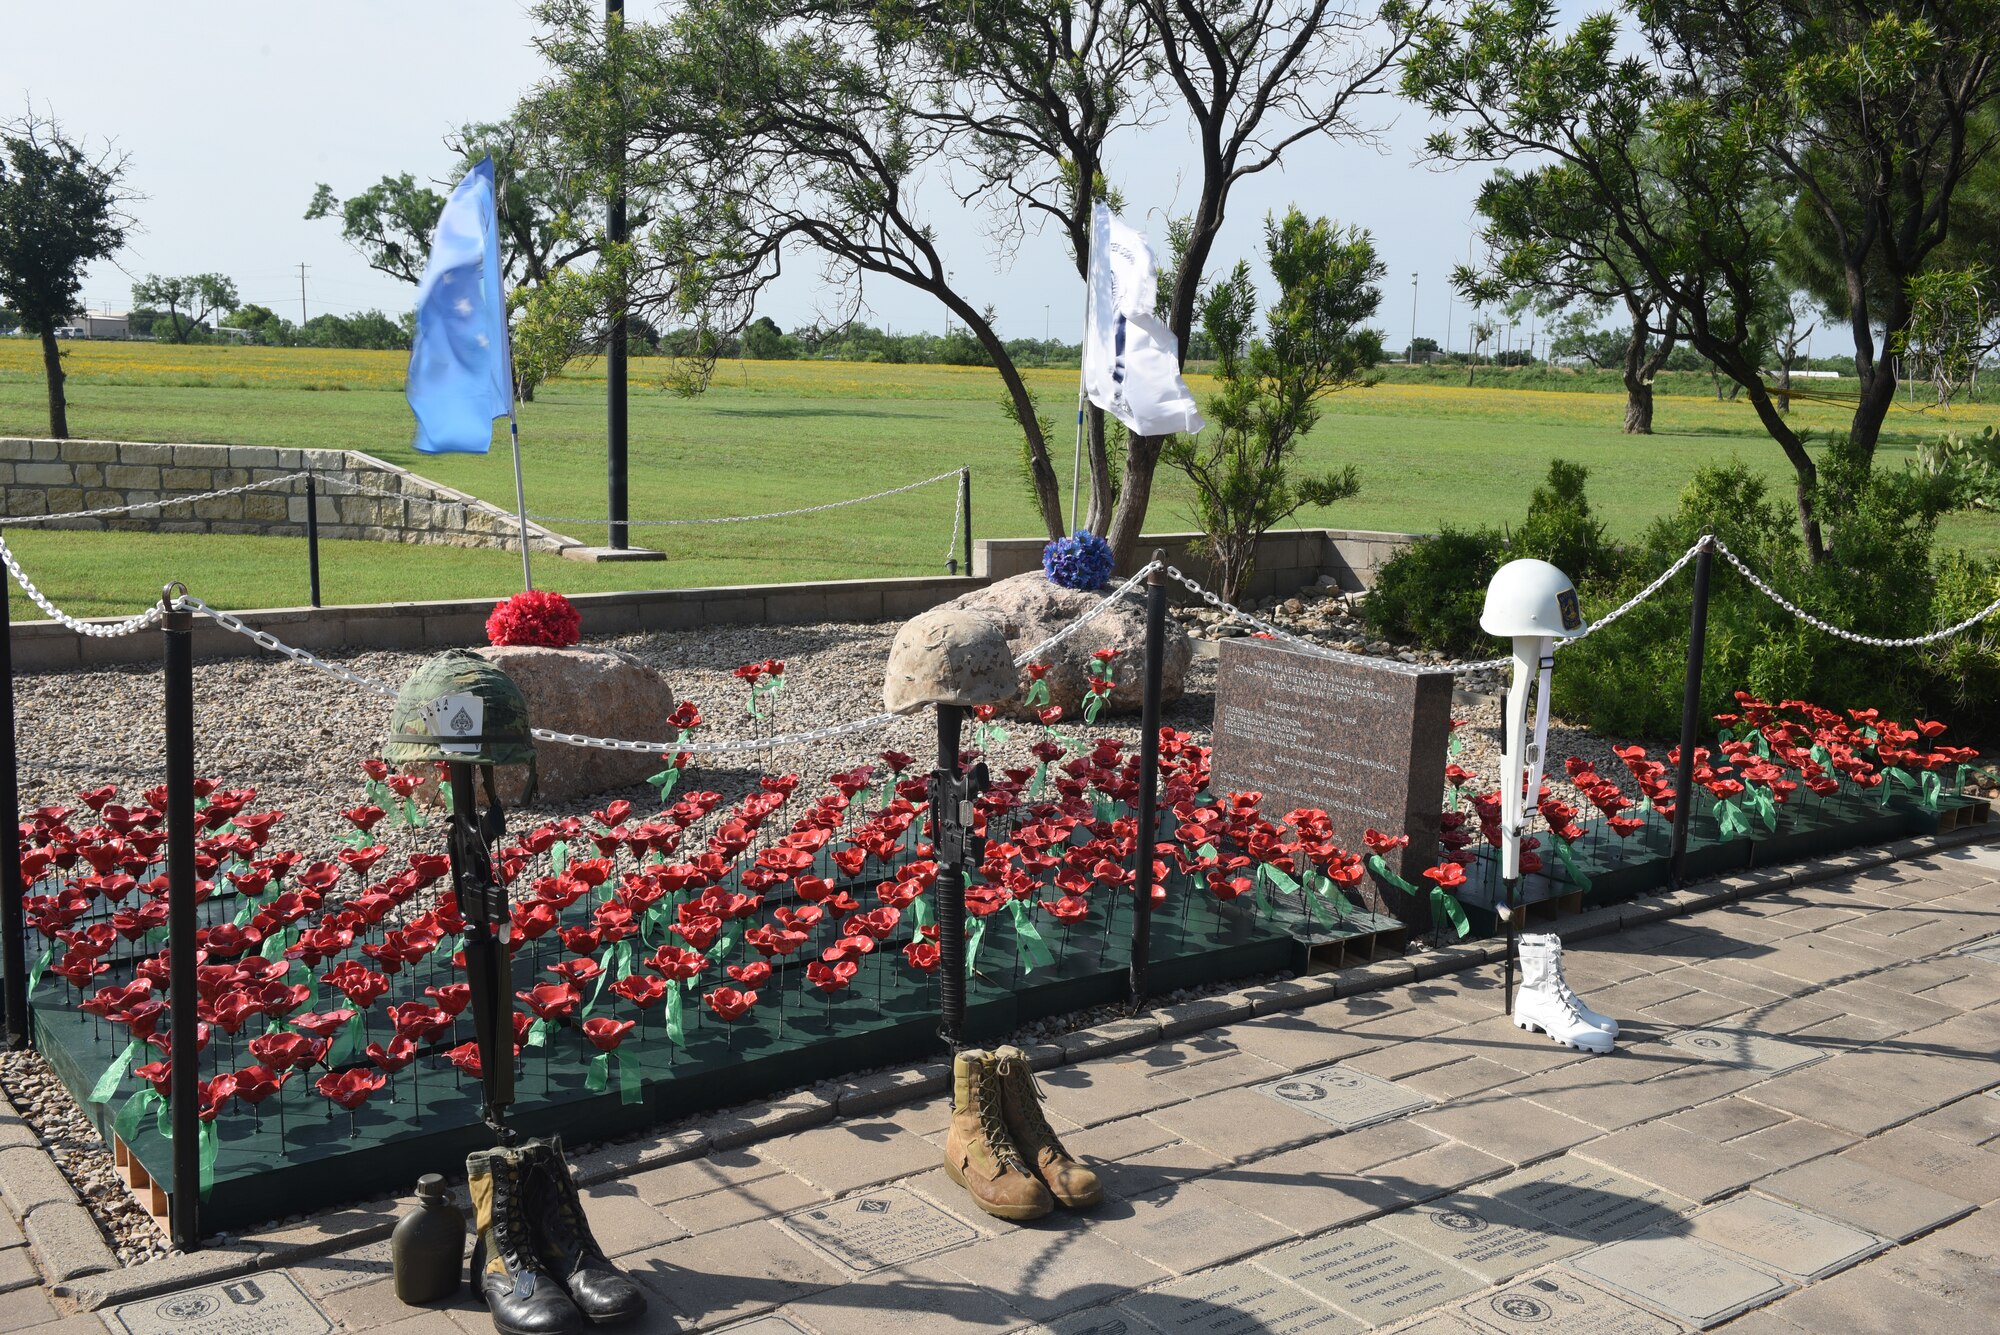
column 1029, row 1106
column 993, row 1125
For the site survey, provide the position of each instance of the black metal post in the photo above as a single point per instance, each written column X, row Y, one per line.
column 614, row 355
column 13, row 921
column 965, row 509
column 1704, row 566
column 184, row 1206
column 312, row 537
column 1149, row 779
column 951, row 882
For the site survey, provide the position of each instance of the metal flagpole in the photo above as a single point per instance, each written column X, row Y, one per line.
column 520, row 496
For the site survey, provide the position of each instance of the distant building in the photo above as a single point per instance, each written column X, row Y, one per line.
column 96, row 324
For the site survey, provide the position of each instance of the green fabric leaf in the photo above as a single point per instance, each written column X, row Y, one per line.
column 600, row 1073
column 353, row 1039
column 920, row 911
column 538, row 1033
column 126, row 1124
column 1380, row 867
column 1444, row 905
column 41, row 966
column 1767, row 808
column 973, row 937
column 1039, row 782
column 1576, row 876
column 630, row 1088
column 1035, row 951
column 1091, row 705
column 107, row 1084
column 1038, row 694
column 210, row 1144
column 559, row 857
column 1933, row 788
column 1324, row 886
column 676, row 1025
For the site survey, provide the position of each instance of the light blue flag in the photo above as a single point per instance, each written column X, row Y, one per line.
column 461, row 376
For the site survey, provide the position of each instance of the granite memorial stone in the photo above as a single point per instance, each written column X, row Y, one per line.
column 253, row 1305
column 1698, row 1284
column 879, row 1229
column 1361, row 739
column 1370, row 1275
column 1561, row 1304
column 1588, row 1202
column 1784, row 1237
column 1491, row 1240
column 1238, row 1300
column 1349, row 1099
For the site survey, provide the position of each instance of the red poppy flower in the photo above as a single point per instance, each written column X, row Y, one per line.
column 1068, row 909
column 921, row 955
column 213, row 1094
column 754, row 974
column 676, row 962
column 323, row 1024
column 1383, row 843
column 551, row 1001
column 578, row 972
column 606, row 1033
column 256, row 1083
column 452, row 997
column 360, row 984
column 282, row 1051
column 466, row 1058
column 400, row 1053
column 641, row 989
column 158, row 1074
column 1447, row 875
column 350, row 1089
column 831, row 977
column 728, row 1003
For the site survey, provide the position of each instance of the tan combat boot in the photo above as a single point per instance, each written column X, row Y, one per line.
column 1021, row 1100
column 978, row 1152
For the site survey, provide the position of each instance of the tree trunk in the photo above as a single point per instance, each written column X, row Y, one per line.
column 52, row 370
column 1142, row 455
column 1638, row 409
column 1878, row 394
column 1638, row 385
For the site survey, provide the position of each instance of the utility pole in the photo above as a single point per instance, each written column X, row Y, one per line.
column 302, row 294
column 1413, row 319
column 614, row 360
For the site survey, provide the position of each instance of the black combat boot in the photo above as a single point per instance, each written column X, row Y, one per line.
column 507, row 1272
column 564, row 1241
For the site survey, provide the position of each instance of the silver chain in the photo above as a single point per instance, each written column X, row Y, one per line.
column 745, row 519
column 187, row 602
column 1314, row 647
column 153, row 505
column 97, row 630
column 1875, row 641
column 1641, row 596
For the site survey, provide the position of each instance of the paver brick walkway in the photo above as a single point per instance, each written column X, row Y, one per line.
column 1799, row 1132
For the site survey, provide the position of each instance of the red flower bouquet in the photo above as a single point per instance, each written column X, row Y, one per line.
column 537, row 617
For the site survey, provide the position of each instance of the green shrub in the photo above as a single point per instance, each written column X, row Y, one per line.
column 1432, row 590
column 1559, row 529
column 1879, row 577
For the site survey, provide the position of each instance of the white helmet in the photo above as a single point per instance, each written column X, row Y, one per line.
column 1531, row 597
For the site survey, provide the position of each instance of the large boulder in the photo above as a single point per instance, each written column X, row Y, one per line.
column 590, row 692
column 1029, row 609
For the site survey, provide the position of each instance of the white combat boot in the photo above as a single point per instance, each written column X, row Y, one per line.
column 1540, row 1004
column 1554, row 945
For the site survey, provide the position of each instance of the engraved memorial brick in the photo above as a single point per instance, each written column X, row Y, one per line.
column 1364, row 740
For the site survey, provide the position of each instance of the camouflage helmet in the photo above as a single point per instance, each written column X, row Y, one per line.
column 949, row 656
column 460, row 708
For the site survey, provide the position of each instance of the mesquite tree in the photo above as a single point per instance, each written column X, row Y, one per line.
column 1315, row 343
column 1694, row 153
column 780, row 126
column 61, row 208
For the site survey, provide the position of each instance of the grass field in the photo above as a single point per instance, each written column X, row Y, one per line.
column 780, row 435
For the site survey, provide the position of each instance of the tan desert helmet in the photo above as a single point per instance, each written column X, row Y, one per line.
column 949, row 656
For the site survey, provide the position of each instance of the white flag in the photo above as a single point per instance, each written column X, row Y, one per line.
column 1131, row 360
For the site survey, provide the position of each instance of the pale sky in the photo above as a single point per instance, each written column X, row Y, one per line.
column 232, row 111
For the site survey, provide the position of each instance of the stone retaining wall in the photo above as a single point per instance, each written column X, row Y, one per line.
column 45, row 646
column 40, row 477
column 1287, row 559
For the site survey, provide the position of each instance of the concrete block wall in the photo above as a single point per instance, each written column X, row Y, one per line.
column 39, row 477
column 1287, row 559
column 45, row 646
